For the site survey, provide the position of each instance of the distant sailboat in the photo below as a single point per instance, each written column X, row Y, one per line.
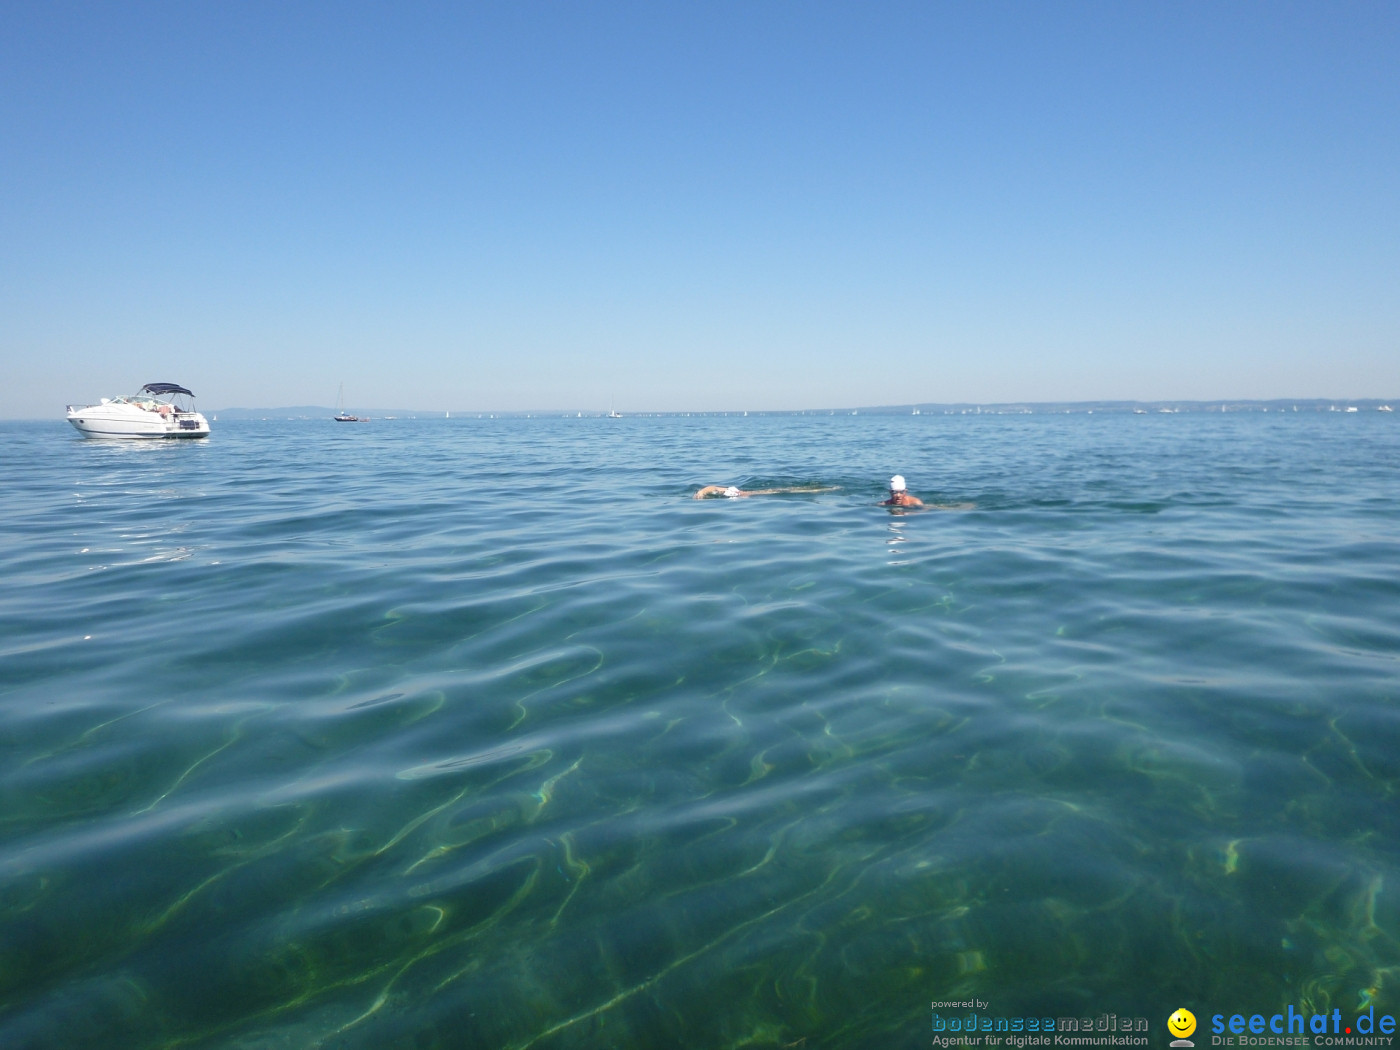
column 340, row 414
column 613, row 413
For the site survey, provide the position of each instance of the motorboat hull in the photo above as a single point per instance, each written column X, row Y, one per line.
column 150, row 420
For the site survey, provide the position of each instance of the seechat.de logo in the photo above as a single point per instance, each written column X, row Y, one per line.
column 1181, row 1024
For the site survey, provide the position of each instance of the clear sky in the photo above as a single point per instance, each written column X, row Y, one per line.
column 670, row 206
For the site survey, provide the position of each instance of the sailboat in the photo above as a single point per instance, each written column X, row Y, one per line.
column 613, row 413
column 340, row 414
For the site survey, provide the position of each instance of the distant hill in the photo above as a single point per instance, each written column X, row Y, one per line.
column 310, row 412
column 1364, row 404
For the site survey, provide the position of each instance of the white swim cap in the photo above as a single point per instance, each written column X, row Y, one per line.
column 732, row 492
column 897, row 483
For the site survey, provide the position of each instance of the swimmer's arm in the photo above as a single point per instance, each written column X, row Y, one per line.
column 710, row 490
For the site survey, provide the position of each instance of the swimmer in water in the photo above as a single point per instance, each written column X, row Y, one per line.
column 899, row 497
column 899, row 494
column 731, row 492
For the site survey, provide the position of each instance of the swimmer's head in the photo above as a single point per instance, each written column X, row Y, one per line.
column 897, row 483
column 732, row 492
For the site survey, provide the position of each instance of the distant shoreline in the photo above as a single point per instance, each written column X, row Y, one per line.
column 1004, row 408
column 1160, row 407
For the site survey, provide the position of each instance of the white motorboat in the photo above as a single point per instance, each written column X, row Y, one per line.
column 159, row 410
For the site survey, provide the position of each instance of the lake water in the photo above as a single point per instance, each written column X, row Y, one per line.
column 483, row 733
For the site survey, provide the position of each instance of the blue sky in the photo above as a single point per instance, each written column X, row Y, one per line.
column 698, row 206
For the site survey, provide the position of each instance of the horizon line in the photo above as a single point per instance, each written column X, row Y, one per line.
column 909, row 407
column 900, row 407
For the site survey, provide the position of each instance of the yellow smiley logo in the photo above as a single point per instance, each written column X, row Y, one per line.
column 1182, row 1023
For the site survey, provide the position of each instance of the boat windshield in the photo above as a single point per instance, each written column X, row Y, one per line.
column 145, row 401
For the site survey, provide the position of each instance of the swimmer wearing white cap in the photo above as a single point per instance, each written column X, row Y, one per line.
column 899, row 494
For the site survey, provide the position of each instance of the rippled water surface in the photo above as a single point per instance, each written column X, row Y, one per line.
column 445, row 733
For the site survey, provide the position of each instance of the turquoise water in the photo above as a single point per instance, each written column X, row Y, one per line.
column 483, row 733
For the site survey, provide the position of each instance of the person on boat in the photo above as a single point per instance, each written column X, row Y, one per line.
column 732, row 492
column 899, row 494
